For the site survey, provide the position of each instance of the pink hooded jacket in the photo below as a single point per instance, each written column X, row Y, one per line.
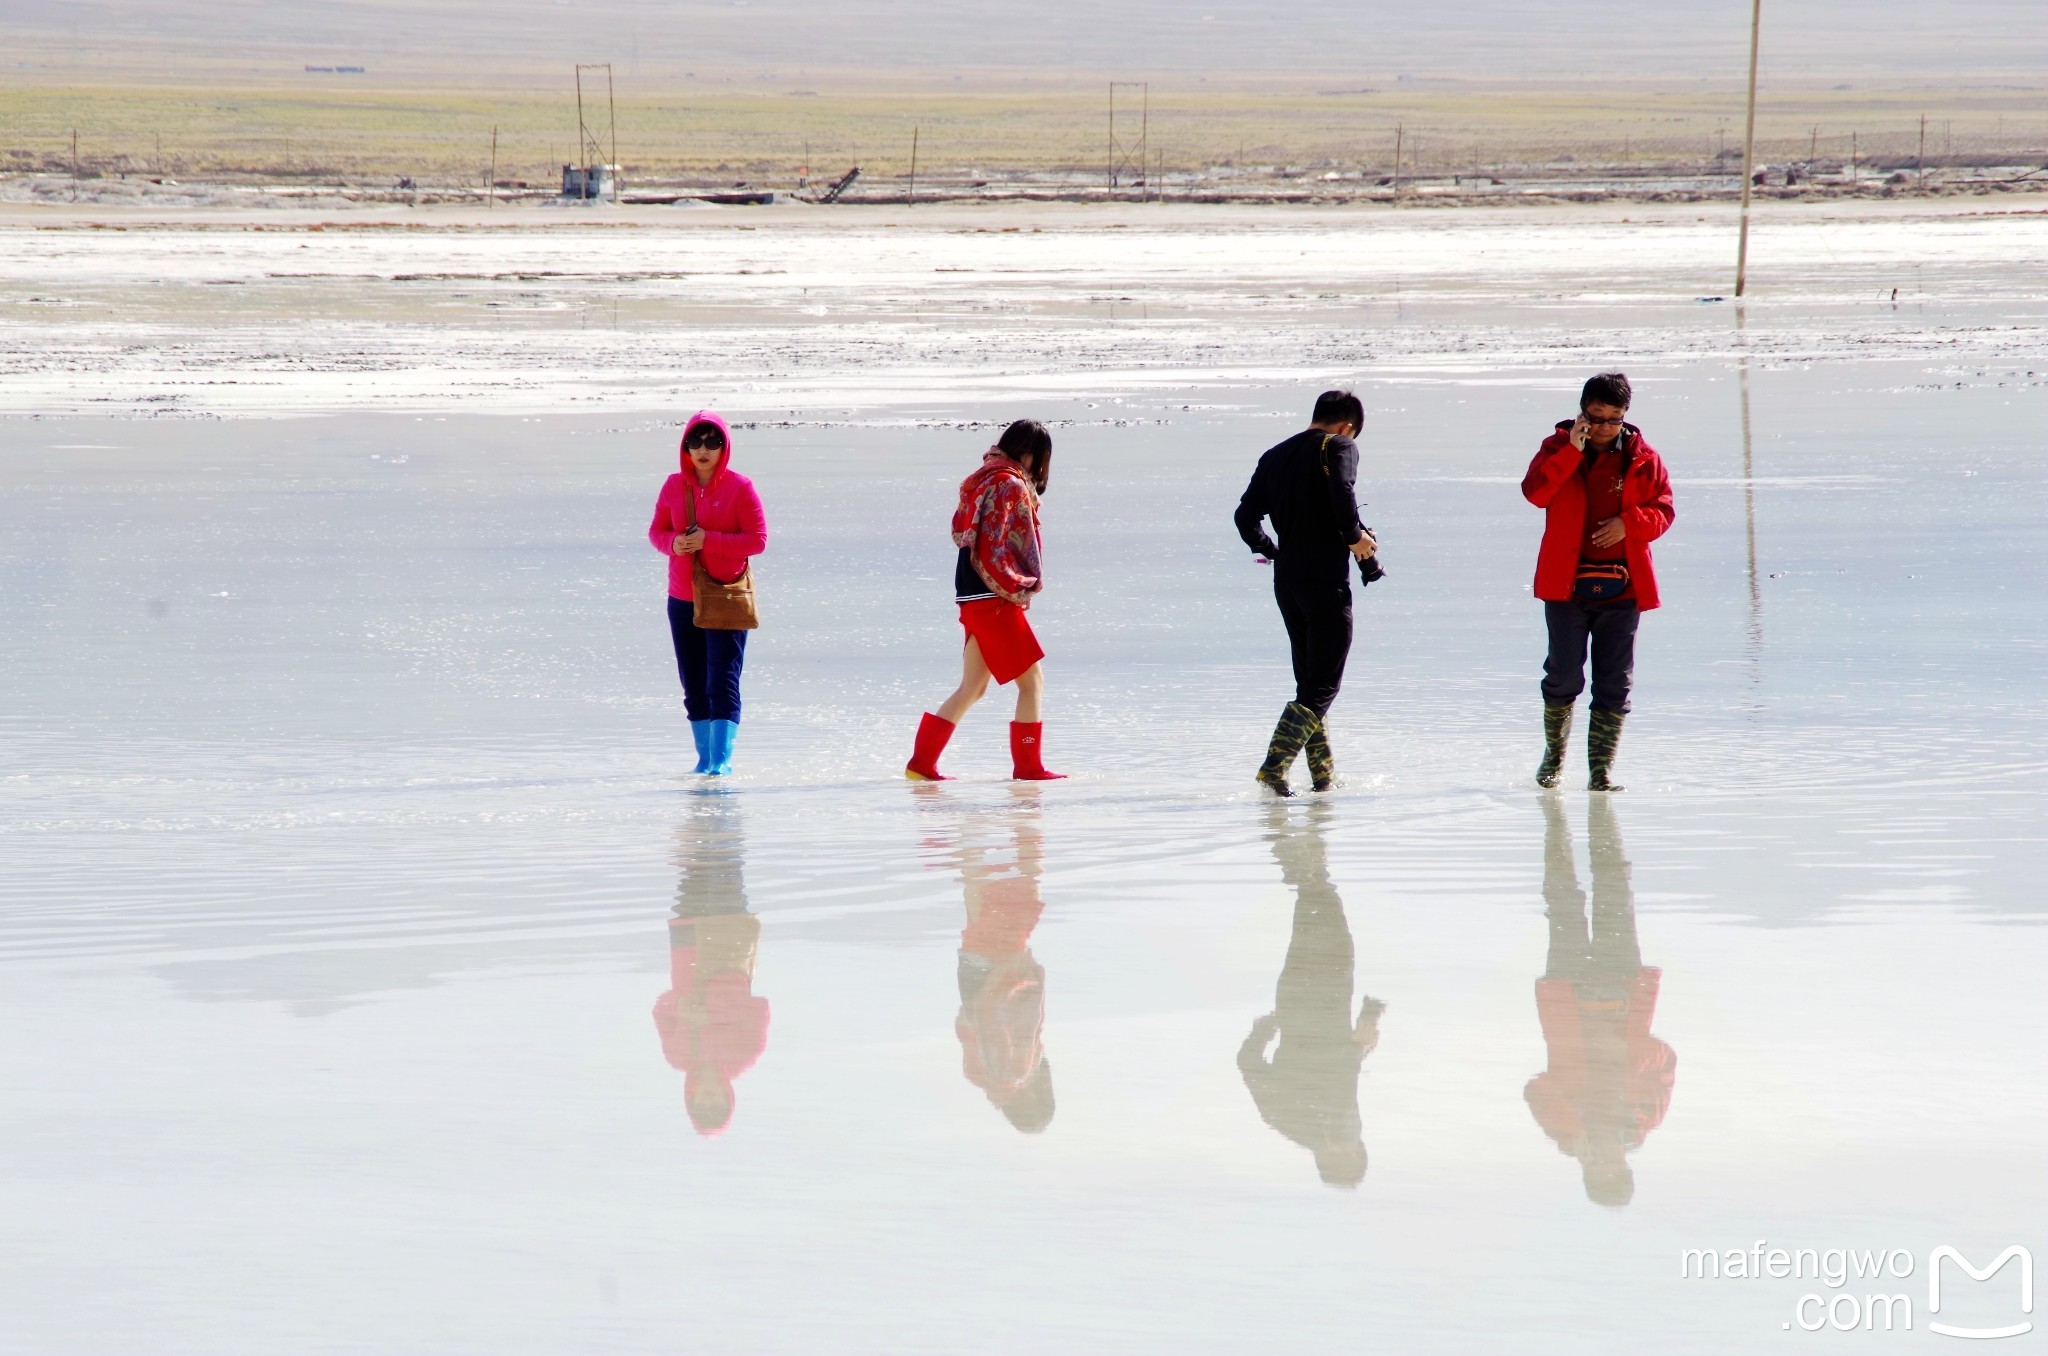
column 728, row 510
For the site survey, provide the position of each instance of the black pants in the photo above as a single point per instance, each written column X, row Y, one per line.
column 1318, row 619
column 1610, row 628
column 1599, row 953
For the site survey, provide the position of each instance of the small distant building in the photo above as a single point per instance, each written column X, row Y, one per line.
column 589, row 181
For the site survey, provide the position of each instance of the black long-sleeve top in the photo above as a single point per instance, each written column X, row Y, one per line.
column 1306, row 487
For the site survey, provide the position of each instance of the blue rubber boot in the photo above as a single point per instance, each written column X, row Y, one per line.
column 700, row 731
column 722, row 732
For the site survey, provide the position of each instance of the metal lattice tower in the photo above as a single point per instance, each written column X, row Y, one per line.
column 589, row 150
column 1129, row 149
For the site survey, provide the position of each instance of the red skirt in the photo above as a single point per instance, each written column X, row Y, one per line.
column 1008, row 645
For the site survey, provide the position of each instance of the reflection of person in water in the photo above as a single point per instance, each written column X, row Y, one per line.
column 712, row 1026
column 1002, row 987
column 1609, row 1079
column 1308, row 1088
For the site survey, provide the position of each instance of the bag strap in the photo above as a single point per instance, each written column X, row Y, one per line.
column 690, row 482
column 697, row 557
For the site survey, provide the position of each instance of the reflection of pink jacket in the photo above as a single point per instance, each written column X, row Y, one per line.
column 710, row 1022
column 728, row 510
column 1606, row 1070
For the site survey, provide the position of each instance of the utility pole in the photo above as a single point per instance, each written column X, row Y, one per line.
column 1400, row 132
column 74, row 164
column 1813, row 148
column 1756, row 24
column 491, row 183
column 913, row 166
column 1920, row 160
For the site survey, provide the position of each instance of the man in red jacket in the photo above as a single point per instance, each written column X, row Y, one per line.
column 1605, row 497
column 1608, row 1082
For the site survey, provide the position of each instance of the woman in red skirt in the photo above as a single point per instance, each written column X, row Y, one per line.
column 996, row 529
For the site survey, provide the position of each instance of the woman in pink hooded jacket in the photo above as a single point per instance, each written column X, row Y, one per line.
column 729, row 528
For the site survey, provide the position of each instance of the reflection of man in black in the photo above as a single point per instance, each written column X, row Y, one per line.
column 1002, row 986
column 1308, row 1088
column 1609, row 1080
column 712, row 1026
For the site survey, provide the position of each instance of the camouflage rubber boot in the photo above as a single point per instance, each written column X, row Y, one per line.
column 1297, row 724
column 1322, row 760
column 1557, row 730
column 1603, row 735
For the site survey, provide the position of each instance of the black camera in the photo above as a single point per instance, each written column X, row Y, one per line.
column 1369, row 566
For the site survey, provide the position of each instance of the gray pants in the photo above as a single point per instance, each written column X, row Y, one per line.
column 1609, row 630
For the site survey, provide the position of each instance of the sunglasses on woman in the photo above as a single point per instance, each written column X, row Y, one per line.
column 703, row 437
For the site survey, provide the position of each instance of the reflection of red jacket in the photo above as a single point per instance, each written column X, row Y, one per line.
column 1554, row 485
column 710, row 1021
column 1606, row 1069
column 1002, row 1021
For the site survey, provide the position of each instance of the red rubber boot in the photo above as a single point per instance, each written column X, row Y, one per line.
column 932, row 734
column 1026, row 756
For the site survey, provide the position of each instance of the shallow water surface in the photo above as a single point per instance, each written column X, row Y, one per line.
column 379, row 982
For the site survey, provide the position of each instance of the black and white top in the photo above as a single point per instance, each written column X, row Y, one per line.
column 968, row 585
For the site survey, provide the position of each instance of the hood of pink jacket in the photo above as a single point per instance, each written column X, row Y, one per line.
column 683, row 447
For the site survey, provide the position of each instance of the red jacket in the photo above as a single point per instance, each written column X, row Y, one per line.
column 1555, row 486
column 728, row 510
column 1607, row 1073
column 997, row 522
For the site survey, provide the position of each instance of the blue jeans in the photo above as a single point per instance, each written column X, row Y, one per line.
column 1609, row 630
column 709, row 664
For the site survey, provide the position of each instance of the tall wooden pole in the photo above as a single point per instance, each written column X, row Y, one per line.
column 491, row 183
column 1756, row 23
column 913, row 165
column 1400, row 130
column 1112, row 141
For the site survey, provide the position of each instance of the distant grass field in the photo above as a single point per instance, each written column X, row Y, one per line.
column 437, row 128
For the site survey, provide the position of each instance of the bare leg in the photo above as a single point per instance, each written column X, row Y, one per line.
column 973, row 687
column 1030, row 689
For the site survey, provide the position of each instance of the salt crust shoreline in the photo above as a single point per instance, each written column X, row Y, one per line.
column 768, row 310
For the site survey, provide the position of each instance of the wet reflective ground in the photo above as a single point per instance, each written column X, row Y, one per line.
column 374, row 981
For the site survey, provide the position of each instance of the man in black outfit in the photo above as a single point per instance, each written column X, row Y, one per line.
column 1307, row 1088
column 1305, row 486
